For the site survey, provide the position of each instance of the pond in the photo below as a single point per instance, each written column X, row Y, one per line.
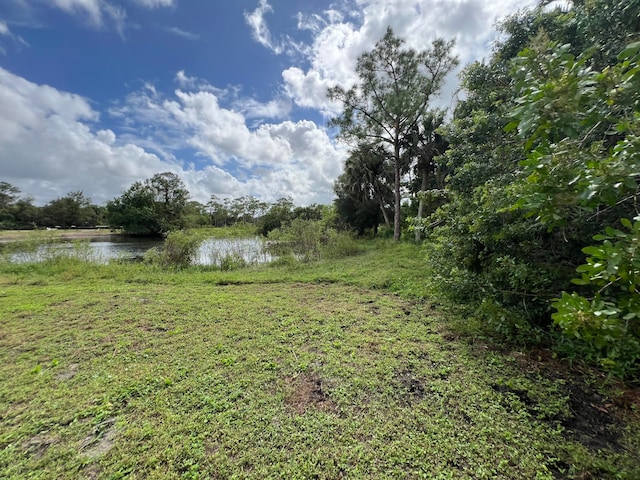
column 103, row 249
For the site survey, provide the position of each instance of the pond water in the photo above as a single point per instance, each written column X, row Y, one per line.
column 102, row 249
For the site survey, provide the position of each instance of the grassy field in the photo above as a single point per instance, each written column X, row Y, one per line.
column 336, row 369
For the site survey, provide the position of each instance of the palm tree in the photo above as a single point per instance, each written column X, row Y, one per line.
column 368, row 175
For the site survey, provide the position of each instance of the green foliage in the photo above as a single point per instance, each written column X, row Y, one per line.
column 178, row 250
column 609, row 323
column 311, row 240
column 512, row 232
column 9, row 213
column 72, row 210
column 153, row 207
column 278, row 215
column 581, row 128
column 232, row 262
column 365, row 190
column 242, row 210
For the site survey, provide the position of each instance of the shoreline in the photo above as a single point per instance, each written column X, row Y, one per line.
column 62, row 234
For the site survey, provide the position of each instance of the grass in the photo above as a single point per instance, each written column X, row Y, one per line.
column 334, row 369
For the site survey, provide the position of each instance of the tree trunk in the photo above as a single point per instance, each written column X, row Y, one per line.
column 385, row 215
column 423, row 187
column 396, row 214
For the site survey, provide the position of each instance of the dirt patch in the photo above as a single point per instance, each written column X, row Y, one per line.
column 69, row 373
column 409, row 387
column 92, row 472
column 591, row 419
column 308, row 391
column 37, row 446
column 101, row 439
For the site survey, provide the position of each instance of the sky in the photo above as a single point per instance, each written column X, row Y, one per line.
column 229, row 95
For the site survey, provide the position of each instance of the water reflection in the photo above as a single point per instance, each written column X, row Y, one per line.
column 215, row 251
column 212, row 251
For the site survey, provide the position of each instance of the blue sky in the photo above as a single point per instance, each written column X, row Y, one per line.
column 230, row 95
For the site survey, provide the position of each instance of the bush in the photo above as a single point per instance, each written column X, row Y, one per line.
column 178, row 250
column 310, row 240
column 232, row 262
column 607, row 325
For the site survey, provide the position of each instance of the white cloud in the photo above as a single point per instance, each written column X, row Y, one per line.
column 49, row 136
column 46, row 135
column 91, row 8
column 97, row 12
column 156, row 3
column 271, row 160
column 182, row 33
column 261, row 33
column 186, row 82
column 8, row 38
column 259, row 29
column 252, row 108
column 340, row 36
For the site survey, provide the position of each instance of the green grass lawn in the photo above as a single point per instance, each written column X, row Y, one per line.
column 340, row 369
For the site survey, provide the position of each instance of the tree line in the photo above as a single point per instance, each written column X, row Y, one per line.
column 152, row 207
column 528, row 191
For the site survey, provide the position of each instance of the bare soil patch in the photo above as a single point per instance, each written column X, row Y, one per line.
column 308, row 391
column 101, row 439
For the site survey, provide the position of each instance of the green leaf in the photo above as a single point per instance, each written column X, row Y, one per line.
column 511, row 126
column 593, row 251
column 631, row 50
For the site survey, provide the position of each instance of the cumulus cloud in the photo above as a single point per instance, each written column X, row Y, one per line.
column 47, row 136
column 341, row 35
column 55, row 149
column 270, row 160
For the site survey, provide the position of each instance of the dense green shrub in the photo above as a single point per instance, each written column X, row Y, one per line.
column 310, row 240
column 178, row 250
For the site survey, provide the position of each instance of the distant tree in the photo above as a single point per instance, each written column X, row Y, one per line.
column 153, row 207
column 368, row 174
column 395, row 88
column 217, row 210
column 25, row 213
column 9, row 194
column 279, row 214
column 354, row 210
column 426, row 144
column 311, row 212
column 72, row 210
column 196, row 214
